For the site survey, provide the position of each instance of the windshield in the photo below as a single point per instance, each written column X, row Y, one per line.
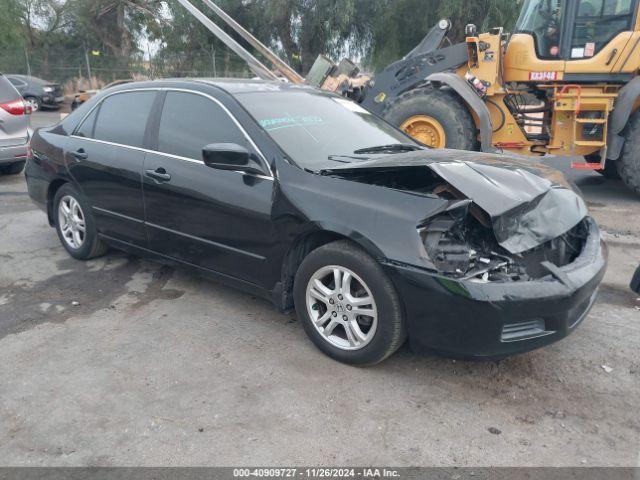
column 319, row 130
column 542, row 19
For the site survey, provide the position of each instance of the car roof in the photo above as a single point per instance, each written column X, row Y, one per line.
column 232, row 86
column 27, row 78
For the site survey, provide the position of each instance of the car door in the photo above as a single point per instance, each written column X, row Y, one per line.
column 215, row 219
column 105, row 156
column 20, row 85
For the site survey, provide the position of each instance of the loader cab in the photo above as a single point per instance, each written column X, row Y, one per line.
column 551, row 35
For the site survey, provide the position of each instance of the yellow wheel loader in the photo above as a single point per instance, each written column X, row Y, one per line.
column 565, row 82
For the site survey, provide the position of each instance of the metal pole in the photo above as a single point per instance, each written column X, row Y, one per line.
column 86, row 57
column 150, row 62
column 285, row 69
column 254, row 64
column 26, row 56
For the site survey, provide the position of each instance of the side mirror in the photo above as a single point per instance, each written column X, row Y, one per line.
column 230, row 156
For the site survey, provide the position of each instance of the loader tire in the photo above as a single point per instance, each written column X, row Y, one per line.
column 629, row 163
column 435, row 117
column 610, row 168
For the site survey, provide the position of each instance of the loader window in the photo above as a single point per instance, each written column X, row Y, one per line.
column 543, row 20
column 597, row 23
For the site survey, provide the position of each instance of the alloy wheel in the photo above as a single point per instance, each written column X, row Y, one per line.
column 72, row 222
column 341, row 307
column 33, row 103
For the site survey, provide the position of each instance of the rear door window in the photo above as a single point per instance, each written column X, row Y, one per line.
column 123, row 118
column 7, row 91
column 86, row 129
column 189, row 122
column 17, row 82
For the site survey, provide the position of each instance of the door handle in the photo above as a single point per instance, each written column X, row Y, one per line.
column 80, row 154
column 159, row 174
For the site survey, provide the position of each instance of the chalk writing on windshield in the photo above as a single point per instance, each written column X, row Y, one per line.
column 288, row 121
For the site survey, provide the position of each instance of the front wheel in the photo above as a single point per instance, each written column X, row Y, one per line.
column 347, row 305
column 435, row 117
column 75, row 224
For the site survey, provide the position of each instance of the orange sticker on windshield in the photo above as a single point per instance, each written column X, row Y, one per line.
column 589, row 49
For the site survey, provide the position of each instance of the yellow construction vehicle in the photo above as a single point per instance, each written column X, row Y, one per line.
column 564, row 83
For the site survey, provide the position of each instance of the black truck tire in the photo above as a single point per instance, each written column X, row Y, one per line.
column 442, row 105
column 629, row 163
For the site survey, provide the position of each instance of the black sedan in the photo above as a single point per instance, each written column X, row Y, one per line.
column 38, row 93
column 306, row 199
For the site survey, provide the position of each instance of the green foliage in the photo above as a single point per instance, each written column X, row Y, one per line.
column 11, row 34
column 400, row 24
column 54, row 34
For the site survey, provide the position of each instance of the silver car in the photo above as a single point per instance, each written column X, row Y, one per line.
column 14, row 129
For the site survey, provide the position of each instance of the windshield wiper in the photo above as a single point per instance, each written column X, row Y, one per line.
column 345, row 158
column 393, row 148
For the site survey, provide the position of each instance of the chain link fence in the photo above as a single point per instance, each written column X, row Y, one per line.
column 79, row 69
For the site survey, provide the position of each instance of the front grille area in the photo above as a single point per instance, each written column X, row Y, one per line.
column 522, row 331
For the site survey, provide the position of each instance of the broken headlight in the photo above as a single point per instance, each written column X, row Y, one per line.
column 460, row 243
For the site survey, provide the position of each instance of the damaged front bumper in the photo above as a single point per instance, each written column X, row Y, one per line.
column 471, row 319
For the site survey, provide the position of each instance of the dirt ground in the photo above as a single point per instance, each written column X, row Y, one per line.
column 122, row 361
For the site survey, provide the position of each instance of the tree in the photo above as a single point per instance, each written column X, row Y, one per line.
column 401, row 24
column 115, row 23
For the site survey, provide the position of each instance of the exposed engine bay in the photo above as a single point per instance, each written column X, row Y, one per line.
column 512, row 234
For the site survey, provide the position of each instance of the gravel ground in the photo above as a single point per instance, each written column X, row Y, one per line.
column 157, row 366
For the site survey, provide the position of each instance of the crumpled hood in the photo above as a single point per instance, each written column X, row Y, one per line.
column 529, row 203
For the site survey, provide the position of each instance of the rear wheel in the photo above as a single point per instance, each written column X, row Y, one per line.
column 629, row 163
column 12, row 169
column 75, row 224
column 435, row 117
column 348, row 306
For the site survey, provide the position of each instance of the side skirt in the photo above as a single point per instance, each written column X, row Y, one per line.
column 228, row 280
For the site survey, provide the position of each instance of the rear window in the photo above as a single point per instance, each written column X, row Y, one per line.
column 7, row 91
column 123, row 118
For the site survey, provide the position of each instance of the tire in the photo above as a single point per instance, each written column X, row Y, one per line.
column 629, row 163
column 74, row 105
column 442, row 105
column 386, row 332
column 610, row 168
column 12, row 169
column 91, row 245
column 35, row 103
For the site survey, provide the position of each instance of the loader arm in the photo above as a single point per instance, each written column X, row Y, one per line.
column 410, row 72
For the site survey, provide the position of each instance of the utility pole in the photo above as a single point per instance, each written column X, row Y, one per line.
column 86, row 57
column 26, row 56
column 150, row 61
